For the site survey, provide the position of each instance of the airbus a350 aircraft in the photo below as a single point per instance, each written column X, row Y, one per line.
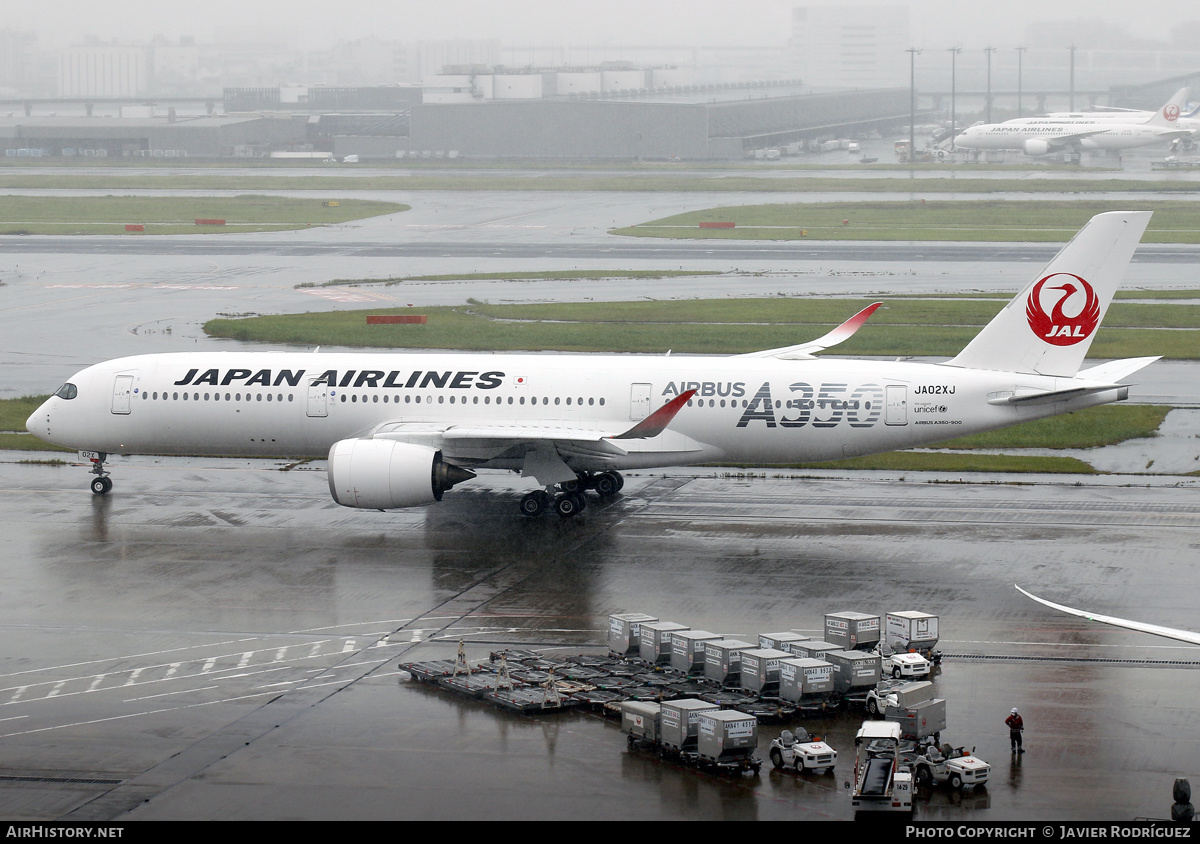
column 399, row 429
column 1042, row 135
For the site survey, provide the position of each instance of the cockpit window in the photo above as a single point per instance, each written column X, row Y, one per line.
column 67, row 391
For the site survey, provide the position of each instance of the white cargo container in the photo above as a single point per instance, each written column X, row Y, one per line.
column 723, row 660
column 760, row 670
column 805, row 680
column 654, row 640
column 813, row 648
column 854, row 671
column 852, row 630
column 624, row 630
column 725, row 737
column 780, row 641
column 640, row 721
column 687, row 649
column 679, row 723
column 911, row 630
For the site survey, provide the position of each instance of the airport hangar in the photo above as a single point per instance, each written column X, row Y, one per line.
column 714, row 122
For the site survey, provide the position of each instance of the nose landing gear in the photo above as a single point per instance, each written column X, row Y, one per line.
column 102, row 483
column 569, row 500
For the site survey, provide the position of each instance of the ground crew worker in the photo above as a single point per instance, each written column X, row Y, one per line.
column 1015, row 726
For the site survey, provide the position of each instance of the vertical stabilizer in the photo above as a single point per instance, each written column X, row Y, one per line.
column 1048, row 327
column 1168, row 116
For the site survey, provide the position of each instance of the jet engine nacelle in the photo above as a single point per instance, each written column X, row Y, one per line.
column 384, row 474
column 1037, row 146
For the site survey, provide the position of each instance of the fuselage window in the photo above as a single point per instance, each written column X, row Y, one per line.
column 602, row 402
column 568, row 401
column 259, row 397
column 557, row 399
column 227, row 397
column 522, row 400
column 206, row 396
column 196, row 396
column 268, row 396
column 510, row 399
column 441, row 399
column 417, row 399
column 475, row 400
column 343, row 397
column 67, row 391
column 354, row 398
column 375, row 399
column 407, row 399
column 175, row 396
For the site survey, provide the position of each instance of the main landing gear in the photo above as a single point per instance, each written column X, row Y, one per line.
column 102, row 483
column 567, row 498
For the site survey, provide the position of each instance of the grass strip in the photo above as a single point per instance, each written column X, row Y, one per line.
column 177, row 215
column 906, row 327
column 918, row 220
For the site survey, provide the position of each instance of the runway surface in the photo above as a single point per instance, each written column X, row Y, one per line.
column 217, row 639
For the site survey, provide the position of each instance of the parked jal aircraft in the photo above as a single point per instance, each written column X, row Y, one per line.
column 1141, row 627
column 1042, row 135
column 399, row 429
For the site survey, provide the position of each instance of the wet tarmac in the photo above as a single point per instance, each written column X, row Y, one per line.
column 217, row 639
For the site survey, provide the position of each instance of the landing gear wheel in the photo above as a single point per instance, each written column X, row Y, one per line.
column 534, row 503
column 606, row 484
column 569, row 504
column 101, row 485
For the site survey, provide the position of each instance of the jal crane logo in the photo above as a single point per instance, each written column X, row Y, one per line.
column 1171, row 112
column 1057, row 327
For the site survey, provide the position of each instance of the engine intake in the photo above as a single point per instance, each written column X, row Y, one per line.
column 1037, row 146
column 385, row 474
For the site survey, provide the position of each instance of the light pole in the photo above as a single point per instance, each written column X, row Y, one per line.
column 989, row 51
column 953, row 51
column 1020, row 56
column 1072, row 78
column 912, row 104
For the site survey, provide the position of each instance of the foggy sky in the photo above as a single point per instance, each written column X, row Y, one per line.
column 313, row 24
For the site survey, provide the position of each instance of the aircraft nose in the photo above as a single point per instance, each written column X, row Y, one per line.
column 38, row 422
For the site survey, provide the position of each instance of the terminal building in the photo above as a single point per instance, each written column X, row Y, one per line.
column 612, row 112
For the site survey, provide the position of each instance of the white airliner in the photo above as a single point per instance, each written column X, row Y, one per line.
column 399, row 429
column 1153, row 629
column 1042, row 135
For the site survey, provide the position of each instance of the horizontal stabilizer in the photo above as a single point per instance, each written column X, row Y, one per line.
column 1115, row 370
column 1052, row 396
column 803, row 351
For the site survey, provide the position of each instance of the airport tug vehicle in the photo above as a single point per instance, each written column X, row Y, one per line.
column 906, row 665
column 957, row 767
column 880, row 784
column 802, row 752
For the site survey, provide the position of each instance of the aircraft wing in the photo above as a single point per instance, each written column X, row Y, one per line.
column 1152, row 629
column 541, row 449
column 805, row 351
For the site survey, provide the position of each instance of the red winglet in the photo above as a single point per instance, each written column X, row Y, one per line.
column 657, row 422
